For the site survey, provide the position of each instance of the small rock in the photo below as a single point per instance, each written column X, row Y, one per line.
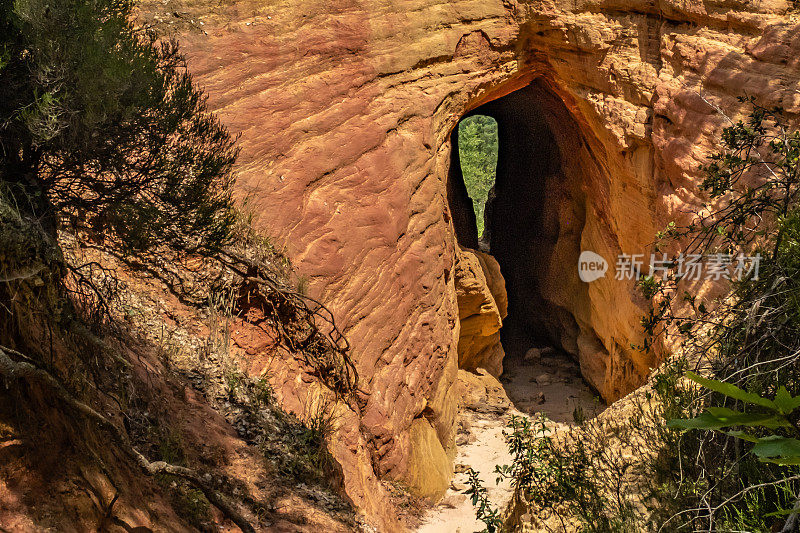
column 456, row 485
column 538, row 398
column 453, row 501
column 532, row 356
column 460, row 468
column 547, row 351
column 462, row 439
column 544, row 379
column 485, row 409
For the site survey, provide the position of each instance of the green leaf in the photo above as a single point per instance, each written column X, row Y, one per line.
column 784, row 448
column 782, row 512
column 785, row 401
column 782, row 461
column 735, row 418
column 742, row 435
column 721, row 417
column 703, row 421
column 732, row 391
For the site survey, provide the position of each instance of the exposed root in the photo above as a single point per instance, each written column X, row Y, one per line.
column 307, row 328
column 311, row 330
column 21, row 370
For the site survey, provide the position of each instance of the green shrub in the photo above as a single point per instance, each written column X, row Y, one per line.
column 100, row 122
column 484, row 510
column 744, row 345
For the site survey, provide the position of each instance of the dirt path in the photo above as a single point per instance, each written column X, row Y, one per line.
column 550, row 384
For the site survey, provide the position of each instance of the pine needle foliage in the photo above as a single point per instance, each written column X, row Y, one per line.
column 101, row 123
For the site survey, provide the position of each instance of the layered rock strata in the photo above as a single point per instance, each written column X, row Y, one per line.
column 345, row 110
column 482, row 306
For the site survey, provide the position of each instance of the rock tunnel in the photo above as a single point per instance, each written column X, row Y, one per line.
column 533, row 226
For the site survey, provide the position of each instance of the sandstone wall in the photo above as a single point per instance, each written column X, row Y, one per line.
column 345, row 109
column 482, row 306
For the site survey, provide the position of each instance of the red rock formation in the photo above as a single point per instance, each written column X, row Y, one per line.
column 482, row 306
column 345, row 110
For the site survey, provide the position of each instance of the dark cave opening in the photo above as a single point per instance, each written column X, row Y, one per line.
column 533, row 219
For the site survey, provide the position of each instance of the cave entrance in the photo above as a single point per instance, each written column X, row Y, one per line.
column 532, row 223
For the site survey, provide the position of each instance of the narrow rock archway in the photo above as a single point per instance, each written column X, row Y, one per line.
column 534, row 218
column 522, row 308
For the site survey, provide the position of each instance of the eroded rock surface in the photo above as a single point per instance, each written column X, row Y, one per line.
column 345, row 111
column 482, row 306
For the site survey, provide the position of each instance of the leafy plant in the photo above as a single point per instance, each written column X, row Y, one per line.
column 192, row 505
column 746, row 341
column 484, row 510
column 100, row 122
column 566, row 474
column 771, row 414
column 233, row 382
column 263, row 394
column 320, row 423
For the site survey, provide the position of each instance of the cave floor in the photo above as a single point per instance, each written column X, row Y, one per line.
column 549, row 384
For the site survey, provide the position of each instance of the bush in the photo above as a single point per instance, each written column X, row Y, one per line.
column 748, row 341
column 100, row 122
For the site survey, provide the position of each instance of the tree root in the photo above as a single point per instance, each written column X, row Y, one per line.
column 312, row 324
column 17, row 371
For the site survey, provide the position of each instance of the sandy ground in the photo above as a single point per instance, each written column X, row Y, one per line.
column 550, row 384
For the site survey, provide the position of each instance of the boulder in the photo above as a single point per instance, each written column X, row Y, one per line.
column 532, row 356
column 482, row 305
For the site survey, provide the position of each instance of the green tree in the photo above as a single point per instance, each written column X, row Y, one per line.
column 100, row 121
column 477, row 150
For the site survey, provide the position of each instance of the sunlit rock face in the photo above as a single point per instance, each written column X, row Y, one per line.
column 482, row 306
column 345, row 111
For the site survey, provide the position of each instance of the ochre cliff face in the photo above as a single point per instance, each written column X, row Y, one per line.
column 482, row 306
column 345, row 110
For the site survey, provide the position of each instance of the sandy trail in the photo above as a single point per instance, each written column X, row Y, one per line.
column 550, row 384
